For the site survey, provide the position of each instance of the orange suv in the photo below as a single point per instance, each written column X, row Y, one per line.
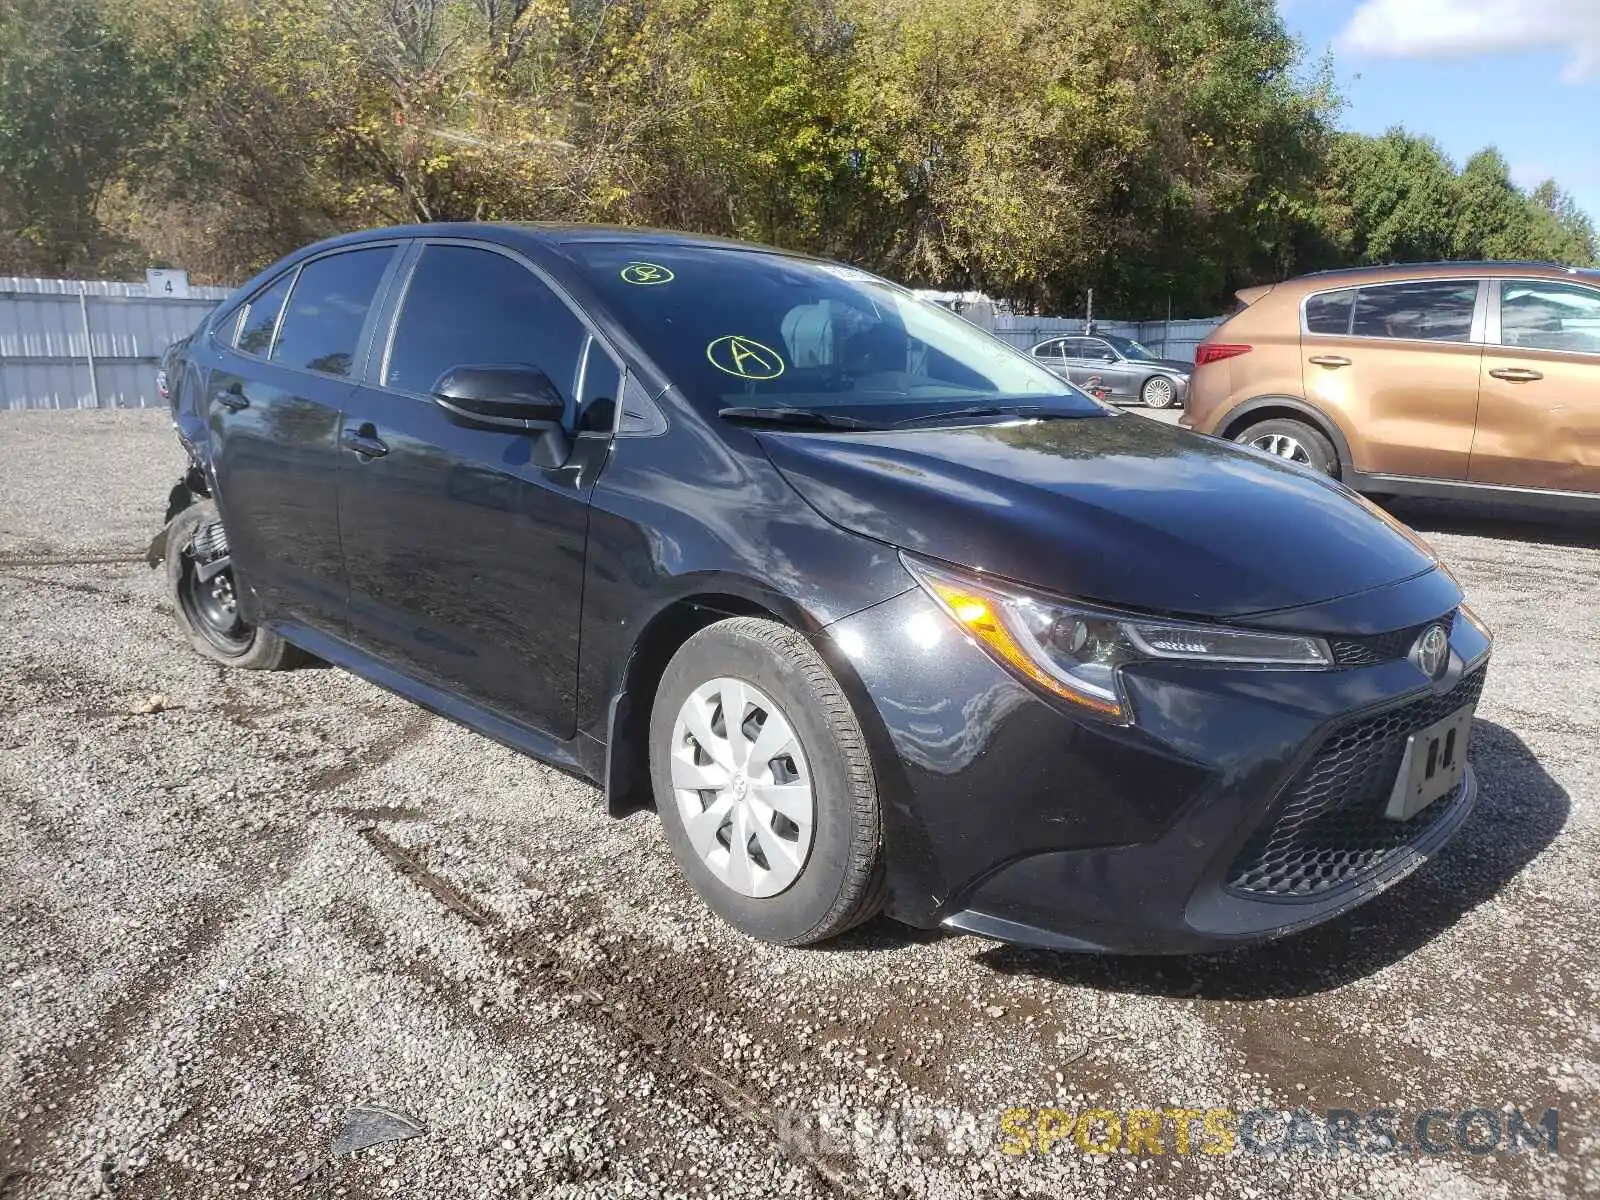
column 1443, row 379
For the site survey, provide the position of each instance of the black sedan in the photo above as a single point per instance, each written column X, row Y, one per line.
column 876, row 612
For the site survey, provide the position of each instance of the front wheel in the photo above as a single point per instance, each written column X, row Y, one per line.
column 764, row 784
column 200, row 583
column 1295, row 441
column 1158, row 392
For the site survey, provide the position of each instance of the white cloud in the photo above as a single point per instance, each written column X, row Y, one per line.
column 1470, row 28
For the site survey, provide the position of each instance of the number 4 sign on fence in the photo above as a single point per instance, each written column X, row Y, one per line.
column 173, row 285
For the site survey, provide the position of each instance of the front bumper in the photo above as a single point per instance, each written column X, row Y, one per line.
column 1009, row 816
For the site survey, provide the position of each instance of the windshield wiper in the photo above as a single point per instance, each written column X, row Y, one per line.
column 802, row 418
column 1027, row 411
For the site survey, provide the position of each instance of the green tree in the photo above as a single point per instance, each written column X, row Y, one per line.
column 1563, row 227
column 1157, row 151
column 81, row 104
column 1397, row 196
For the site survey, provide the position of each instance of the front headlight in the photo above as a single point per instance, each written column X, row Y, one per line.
column 1075, row 650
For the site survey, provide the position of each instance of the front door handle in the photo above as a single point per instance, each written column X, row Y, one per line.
column 1516, row 374
column 364, row 440
column 234, row 399
column 1330, row 360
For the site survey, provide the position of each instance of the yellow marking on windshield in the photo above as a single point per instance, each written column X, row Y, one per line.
column 744, row 357
column 646, row 273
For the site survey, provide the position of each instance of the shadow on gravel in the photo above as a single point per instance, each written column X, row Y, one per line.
column 1491, row 521
column 1520, row 811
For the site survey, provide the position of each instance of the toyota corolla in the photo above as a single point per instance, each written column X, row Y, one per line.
column 877, row 613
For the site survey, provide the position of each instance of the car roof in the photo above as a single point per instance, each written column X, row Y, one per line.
column 554, row 235
column 1399, row 272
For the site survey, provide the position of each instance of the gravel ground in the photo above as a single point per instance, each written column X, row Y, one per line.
column 232, row 913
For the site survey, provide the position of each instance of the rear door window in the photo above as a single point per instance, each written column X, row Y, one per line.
column 467, row 306
column 1330, row 312
column 257, row 318
column 327, row 310
column 1429, row 310
column 1549, row 316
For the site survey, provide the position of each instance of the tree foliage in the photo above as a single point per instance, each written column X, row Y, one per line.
column 1155, row 150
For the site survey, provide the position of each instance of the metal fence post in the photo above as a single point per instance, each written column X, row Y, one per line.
column 88, row 344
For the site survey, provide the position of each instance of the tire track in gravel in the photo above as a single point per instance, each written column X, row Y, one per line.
column 411, row 729
column 643, row 1020
column 54, row 1083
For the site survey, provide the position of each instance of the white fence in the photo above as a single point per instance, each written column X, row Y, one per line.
column 68, row 343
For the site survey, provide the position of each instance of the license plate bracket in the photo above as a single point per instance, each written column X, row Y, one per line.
column 1434, row 764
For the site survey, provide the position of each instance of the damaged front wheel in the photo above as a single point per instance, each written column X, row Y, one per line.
column 201, row 583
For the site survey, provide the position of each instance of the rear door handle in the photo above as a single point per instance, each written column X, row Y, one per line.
column 364, row 440
column 1516, row 374
column 1330, row 360
column 234, row 399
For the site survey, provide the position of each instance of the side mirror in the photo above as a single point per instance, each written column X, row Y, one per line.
column 517, row 399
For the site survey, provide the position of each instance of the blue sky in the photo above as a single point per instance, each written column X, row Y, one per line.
column 1523, row 75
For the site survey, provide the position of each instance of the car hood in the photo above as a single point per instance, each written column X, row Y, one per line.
column 1122, row 510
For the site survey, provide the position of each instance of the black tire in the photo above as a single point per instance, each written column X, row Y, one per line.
column 242, row 645
column 1315, row 450
column 840, row 884
column 1153, row 396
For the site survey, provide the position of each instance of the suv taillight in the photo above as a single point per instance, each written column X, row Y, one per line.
column 1210, row 352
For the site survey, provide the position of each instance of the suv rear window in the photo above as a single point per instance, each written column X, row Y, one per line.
column 1429, row 310
column 1330, row 312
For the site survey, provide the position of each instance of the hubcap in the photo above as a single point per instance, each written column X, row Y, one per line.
column 1282, row 445
column 1158, row 393
column 742, row 787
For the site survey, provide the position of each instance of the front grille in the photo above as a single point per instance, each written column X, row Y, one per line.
column 1329, row 829
column 1381, row 647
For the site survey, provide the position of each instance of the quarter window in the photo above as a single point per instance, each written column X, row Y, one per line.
column 1550, row 316
column 1330, row 312
column 259, row 317
column 1432, row 311
column 466, row 306
column 602, row 387
column 327, row 310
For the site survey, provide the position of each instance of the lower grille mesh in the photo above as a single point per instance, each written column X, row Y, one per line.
column 1329, row 828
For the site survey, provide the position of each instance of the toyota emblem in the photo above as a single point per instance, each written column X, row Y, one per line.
column 1432, row 651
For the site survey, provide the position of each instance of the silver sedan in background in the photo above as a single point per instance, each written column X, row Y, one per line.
column 1127, row 371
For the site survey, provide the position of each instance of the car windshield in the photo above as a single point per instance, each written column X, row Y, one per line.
column 1129, row 348
column 751, row 330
